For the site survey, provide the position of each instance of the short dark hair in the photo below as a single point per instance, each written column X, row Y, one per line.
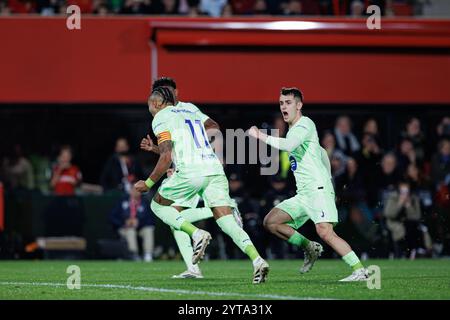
column 294, row 91
column 164, row 82
column 166, row 93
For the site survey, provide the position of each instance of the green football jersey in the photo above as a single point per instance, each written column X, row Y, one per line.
column 311, row 170
column 192, row 154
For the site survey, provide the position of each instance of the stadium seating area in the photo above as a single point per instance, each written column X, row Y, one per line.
column 216, row 8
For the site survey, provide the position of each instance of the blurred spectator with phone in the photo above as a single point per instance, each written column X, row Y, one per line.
column 403, row 214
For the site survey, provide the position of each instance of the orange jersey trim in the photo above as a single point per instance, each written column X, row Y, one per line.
column 164, row 136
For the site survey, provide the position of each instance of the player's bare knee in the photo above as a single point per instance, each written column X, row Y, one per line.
column 269, row 224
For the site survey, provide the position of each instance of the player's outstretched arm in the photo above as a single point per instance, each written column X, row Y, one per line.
column 164, row 162
column 284, row 144
column 148, row 145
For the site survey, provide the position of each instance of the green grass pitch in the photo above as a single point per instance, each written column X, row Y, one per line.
column 400, row 279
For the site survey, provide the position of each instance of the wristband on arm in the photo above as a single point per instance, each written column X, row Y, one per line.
column 149, row 183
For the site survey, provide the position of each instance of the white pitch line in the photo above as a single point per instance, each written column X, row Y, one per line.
column 164, row 290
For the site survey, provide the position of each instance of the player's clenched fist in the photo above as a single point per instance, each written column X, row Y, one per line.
column 140, row 186
column 253, row 132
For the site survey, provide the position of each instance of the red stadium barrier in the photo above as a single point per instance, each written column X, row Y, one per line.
column 112, row 60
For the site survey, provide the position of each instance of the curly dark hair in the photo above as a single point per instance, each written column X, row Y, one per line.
column 164, row 82
column 166, row 93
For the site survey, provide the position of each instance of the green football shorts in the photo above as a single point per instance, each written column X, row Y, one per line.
column 319, row 206
column 185, row 191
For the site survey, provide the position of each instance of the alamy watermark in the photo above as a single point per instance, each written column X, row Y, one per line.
column 236, row 147
column 73, row 22
column 374, row 281
column 373, row 22
column 74, row 280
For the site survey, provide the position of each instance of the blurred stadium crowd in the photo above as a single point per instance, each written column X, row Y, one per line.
column 392, row 202
column 225, row 8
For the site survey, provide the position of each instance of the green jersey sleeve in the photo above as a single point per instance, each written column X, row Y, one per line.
column 295, row 137
column 326, row 160
column 161, row 126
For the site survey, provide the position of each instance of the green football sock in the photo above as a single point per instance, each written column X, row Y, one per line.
column 353, row 261
column 188, row 227
column 298, row 240
column 229, row 226
column 185, row 246
column 197, row 214
column 251, row 252
column 173, row 218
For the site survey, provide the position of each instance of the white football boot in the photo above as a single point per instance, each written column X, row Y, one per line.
column 312, row 253
column 194, row 273
column 357, row 275
column 260, row 270
column 201, row 239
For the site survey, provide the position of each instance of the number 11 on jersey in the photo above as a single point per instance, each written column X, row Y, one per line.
column 194, row 134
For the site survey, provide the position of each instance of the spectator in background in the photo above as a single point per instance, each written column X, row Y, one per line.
column 65, row 176
column 17, row 170
column 260, row 7
column 132, row 217
column 242, row 7
column 170, row 7
column 440, row 164
column 25, row 6
column 193, row 8
column 48, row 7
column 389, row 176
column 303, row 7
column 387, row 8
column 371, row 127
column 414, row 133
column 421, row 185
column 227, row 11
column 349, row 186
column 213, row 8
column 356, row 9
column 443, row 128
column 403, row 214
column 328, row 143
column 143, row 7
column 345, row 139
column 440, row 175
column 131, row 7
column 121, row 169
column 292, row 7
column 101, row 9
column 4, row 9
column 368, row 159
column 406, row 155
column 338, row 164
column 114, row 5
